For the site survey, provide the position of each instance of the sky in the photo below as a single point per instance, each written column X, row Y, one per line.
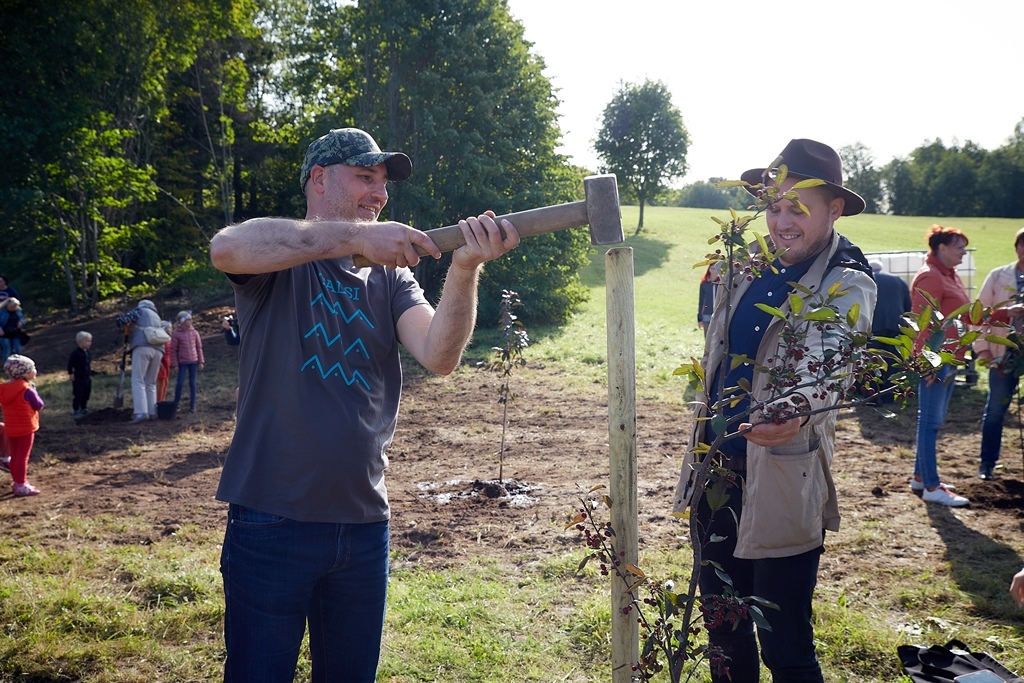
column 748, row 76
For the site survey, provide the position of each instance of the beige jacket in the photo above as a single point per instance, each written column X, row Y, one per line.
column 999, row 287
column 789, row 493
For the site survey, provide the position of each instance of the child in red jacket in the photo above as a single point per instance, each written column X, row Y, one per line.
column 21, row 405
column 164, row 374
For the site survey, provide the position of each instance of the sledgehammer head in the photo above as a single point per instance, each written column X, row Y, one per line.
column 603, row 212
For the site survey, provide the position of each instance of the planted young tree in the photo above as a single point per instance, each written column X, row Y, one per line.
column 508, row 357
column 841, row 372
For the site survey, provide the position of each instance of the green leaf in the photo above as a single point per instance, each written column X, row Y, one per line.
column 1002, row 341
column 759, row 619
column 822, row 315
column 739, row 359
column 924, row 317
column 772, row 310
column 853, row 315
column 796, row 303
column 762, row 243
column 718, row 423
column 970, row 337
column 889, row 341
column 977, row 312
column 885, row 412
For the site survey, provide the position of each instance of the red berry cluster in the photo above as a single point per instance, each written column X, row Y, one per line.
column 720, row 609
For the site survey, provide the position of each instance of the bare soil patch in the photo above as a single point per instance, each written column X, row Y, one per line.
column 447, row 504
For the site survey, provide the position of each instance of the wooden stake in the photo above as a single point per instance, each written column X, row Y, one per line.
column 622, row 447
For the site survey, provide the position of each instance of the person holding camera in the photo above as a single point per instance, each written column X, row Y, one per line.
column 230, row 326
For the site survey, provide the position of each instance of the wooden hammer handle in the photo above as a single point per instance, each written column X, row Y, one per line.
column 530, row 222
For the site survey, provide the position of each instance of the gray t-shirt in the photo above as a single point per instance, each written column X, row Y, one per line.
column 319, row 386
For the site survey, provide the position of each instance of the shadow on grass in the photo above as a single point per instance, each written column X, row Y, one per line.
column 648, row 254
column 963, row 417
column 190, row 464
column 981, row 566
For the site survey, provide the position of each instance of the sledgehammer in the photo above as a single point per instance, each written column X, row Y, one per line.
column 600, row 211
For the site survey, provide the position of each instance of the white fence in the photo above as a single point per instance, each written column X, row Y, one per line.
column 904, row 264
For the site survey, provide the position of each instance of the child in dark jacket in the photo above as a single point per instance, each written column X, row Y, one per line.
column 187, row 355
column 80, row 370
column 21, row 405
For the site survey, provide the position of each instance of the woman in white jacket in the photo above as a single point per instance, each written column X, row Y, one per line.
column 145, row 361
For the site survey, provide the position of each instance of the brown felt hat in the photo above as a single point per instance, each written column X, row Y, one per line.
column 811, row 159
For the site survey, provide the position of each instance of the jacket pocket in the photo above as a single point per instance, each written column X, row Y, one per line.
column 788, row 500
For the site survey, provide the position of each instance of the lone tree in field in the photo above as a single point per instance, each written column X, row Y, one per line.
column 643, row 140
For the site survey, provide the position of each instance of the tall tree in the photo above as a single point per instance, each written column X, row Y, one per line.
column 82, row 195
column 453, row 84
column 938, row 181
column 861, row 175
column 642, row 140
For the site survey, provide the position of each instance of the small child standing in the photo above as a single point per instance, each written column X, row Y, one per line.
column 80, row 369
column 164, row 375
column 21, row 405
column 187, row 356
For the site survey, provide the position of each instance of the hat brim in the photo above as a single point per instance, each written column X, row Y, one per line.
column 854, row 204
column 399, row 165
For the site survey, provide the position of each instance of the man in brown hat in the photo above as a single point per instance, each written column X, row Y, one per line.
column 787, row 499
column 319, row 387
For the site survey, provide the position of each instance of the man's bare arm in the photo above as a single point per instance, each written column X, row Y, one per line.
column 265, row 245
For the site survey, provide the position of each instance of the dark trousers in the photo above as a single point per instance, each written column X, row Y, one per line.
column 788, row 649
column 81, row 389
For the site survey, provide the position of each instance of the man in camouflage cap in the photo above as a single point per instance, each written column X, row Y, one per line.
column 319, row 388
column 353, row 147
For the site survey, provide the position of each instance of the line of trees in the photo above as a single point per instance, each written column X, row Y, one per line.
column 933, row 180
column 134, row 129
column 936, row 180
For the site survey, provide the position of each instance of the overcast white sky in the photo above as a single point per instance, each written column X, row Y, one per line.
column 749, row 76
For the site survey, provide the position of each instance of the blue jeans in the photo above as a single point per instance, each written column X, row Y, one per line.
column 932, row 403
column 280, row 574
column 1000, row 393
column 190, row 368
column 788, row 649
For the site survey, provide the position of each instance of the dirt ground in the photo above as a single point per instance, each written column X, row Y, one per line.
column 446, row 507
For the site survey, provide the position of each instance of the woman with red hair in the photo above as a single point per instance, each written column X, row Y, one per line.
column 938, row 278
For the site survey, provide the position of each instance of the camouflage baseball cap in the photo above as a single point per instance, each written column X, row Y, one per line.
column 353, row 147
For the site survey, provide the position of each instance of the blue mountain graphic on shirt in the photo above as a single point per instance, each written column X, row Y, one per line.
column 336, row 371
column 337, row 309
column 357, row 345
